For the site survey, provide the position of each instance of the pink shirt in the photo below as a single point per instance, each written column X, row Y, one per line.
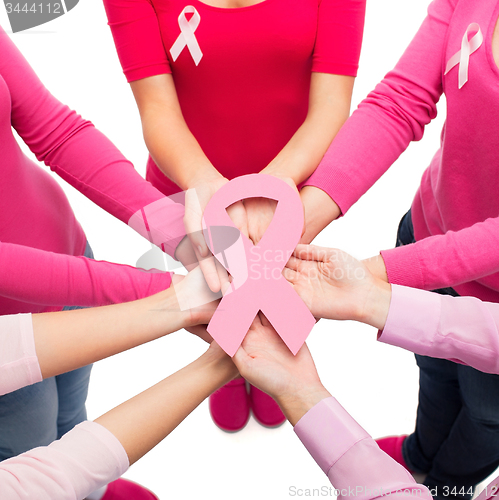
column 425, row 323
column 39, row 235
column 249, row 93
column 455, row 211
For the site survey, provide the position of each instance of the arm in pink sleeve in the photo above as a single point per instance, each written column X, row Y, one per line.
column 461, row 329
column 351, row 459
column 339, row 37
column 52, row 279
column 19, row 365
column 444, row 260
column 136, row 33
column 392, row 116
column 83, row 460
column 79, row 153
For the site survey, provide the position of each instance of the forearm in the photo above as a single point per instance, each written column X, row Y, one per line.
column 304, row 151
column 175, row 150
column 349, row 456
column 50, row 279
column 88, row 161
column 68, row 340
column 142, row 422
column 171, row 144
column 461, row 329
column 329, row 107
column 320, row 211
column 449, row 259
column 297, row 405
column 83, row 460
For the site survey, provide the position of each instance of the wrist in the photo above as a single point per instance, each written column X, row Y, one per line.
column 163, row 312
column 280, row 173
column 320, row 211
column 295, row 405
column 206, row 175
column 377, row 305
column 219, row 364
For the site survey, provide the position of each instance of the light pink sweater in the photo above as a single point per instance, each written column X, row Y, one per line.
column 422, row 322
column 40, row 240
column 455, row 211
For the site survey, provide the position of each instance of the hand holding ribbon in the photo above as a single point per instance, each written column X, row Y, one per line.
column 257, row 281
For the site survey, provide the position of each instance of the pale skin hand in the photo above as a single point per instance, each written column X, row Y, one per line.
column 260, row 211
column 266, row 362
column 335, row 285
column 68, row 340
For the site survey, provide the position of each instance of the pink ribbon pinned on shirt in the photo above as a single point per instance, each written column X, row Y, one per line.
column 256, row 270
column 462, row 57
column 187, row 37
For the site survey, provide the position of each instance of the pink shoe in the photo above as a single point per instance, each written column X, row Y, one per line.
column 392, row 446
column 229, row 406
column 265, row 410
column 122, row 489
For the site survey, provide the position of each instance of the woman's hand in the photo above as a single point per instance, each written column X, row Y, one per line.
column 335, row 285
column 266, row 362
column 260, row 212
column 196, row 200
column 195, row 299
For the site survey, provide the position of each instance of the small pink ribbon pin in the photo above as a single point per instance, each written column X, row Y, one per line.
column 462, row 57
column 187, row 37
column 256, row 270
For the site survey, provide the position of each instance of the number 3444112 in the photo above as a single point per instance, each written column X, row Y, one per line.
column 34, row 8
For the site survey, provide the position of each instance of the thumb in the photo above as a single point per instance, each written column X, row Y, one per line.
column 241, row 360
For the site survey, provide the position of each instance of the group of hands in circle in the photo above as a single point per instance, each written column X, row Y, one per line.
column 333, row 285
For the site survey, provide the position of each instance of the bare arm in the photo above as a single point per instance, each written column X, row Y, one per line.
column 142, row 422
column 329, row 107
column 67, row 340
column 179, row 156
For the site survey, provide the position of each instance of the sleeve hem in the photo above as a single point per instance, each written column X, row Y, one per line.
column 403, row 266
column 133, row 75
column 413, row 320
column 335, row 68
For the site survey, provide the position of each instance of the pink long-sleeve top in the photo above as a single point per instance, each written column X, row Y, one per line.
column 86, row 458
column 41, row 242
column 455, row 211
column 249, row 93
column 461, row 329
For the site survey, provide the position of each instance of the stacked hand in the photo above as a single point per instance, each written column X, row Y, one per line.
column 266, row 362
column 196, row 200
column 335, row 285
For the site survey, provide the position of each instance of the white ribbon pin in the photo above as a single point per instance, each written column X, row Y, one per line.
column 463, row 56
column 186, row 37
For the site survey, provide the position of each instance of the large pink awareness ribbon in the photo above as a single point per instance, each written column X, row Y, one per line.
column 462, row 57
column 256, row 270
column 187, row 37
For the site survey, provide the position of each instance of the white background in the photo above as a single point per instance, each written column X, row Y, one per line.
column 76, row 59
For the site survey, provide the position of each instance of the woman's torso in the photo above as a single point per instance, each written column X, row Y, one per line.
column 249, row 93
column 460, row 187
column 34, row 210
